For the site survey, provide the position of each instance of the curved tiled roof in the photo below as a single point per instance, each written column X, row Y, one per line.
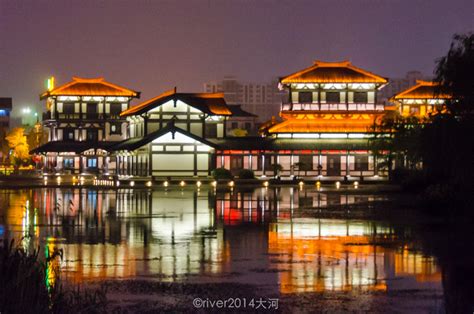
column 210, row 103
column 338, row 124
column 333, row 72
column 90, row 87
column 422, row 90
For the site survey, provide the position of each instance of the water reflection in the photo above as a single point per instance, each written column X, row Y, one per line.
column 289, row 240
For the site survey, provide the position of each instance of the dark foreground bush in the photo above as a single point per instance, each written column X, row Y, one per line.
column 222, row 174
column 410, row 180
column 246, row 174
column 28, row 285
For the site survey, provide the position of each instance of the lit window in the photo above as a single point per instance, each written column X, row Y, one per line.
column 92, row 162
column 68, row 163
column 115, row 128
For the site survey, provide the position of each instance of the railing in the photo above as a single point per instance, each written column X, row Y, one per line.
column 78, row 116
column 332, row 107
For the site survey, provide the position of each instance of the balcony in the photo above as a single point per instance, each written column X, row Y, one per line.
column 78, row 116
column 332, row 107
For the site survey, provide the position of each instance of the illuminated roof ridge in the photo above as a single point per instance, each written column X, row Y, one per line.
column 422, row 90
column 427, row 83
column 333, row 72
column 212, row 108
column 90, row 87
column 88, row 80
column 204, row 95
column 320, row 63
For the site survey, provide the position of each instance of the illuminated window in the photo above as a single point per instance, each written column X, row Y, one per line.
column 414, row 110
column 92, row 162
column 305, row 97
column 236, row 162
column 360, row 97
column 116, row 128
column 333, row 97
column 268, row 162
column 68, row 163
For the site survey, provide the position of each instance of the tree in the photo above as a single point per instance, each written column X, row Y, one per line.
column 447, row 142
column 4, row 148
column 302, row 166
column 17, row 141
column 395, row 141
column 277, row 168
column 454, row 73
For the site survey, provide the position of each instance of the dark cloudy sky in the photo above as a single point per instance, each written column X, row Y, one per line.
column 154, row 45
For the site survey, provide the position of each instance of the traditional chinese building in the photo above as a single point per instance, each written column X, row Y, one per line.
column 172, row 135
column 83, row 121
column 420, row 100
column 324, row 132
column 325, row 126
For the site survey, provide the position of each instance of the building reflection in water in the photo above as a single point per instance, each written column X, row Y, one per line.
column 318, row 254
column 285, row 237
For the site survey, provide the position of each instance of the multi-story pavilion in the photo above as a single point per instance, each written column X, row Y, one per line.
column 420, row 100
column 84, row 122
column 330, row 109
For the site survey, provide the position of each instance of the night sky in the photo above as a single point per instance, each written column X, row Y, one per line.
column 151, row 46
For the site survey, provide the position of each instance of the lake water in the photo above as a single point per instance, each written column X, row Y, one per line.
column 285, row 240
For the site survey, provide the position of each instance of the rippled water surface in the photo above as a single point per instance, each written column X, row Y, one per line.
column 285, row 240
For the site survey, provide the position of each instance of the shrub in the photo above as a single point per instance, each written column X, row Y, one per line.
column 222, row 174
column 25, row 286
column 277, row 168
column 246, row 174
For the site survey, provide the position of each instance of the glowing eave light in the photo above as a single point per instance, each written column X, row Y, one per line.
column 198, row 184
column 214, row 183
column 334, row 135
column 338, row 185
column 165, row 184
column 148, row 183
column 356, row 184
column 182, row 183
column 265, row 184
column 231, row 183
column 132, row 183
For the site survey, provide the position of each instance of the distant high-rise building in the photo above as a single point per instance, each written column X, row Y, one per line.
column 396, row 85
column 5, row 109
column 261, row 99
